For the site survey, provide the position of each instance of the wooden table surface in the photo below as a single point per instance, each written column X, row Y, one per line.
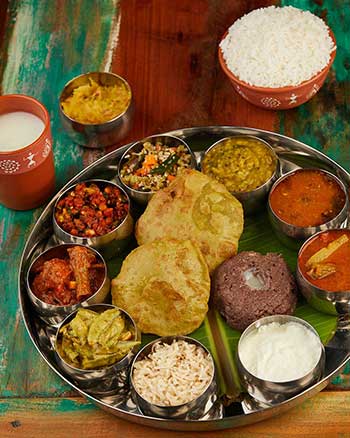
column 166, row 49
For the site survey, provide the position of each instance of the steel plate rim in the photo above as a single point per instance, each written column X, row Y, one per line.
column 189, row 425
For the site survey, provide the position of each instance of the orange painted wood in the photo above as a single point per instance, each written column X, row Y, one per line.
column 319, row 417
column 167, row 50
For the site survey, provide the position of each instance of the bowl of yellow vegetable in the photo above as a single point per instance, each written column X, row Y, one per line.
column 96, row 109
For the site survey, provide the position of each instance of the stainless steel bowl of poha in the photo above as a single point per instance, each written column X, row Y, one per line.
column 174, row 377
column 152, row 163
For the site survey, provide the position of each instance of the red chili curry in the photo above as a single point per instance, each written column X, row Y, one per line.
column 329, row 269
column 307, row 198
column 88, row 211
column 68, row 280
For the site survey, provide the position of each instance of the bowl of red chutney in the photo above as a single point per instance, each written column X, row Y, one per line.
column 94, row 213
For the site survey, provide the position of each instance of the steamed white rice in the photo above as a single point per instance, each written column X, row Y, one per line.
column 277, row 46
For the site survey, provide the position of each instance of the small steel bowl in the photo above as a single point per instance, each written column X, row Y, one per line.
column 294, row 236
column 104, row 381
column 191, row 410
column 109, row 244
column 168, row 140
column 253, row 200
column 53, row 314
column 333, row 303
column 102, row 134
column 276, row 392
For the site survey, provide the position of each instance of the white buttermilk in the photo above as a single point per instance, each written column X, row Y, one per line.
column 19, row 129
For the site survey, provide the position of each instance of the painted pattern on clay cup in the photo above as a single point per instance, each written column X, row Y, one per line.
column 27, row 175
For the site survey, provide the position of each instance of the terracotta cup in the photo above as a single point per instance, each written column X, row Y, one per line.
column 27, row 175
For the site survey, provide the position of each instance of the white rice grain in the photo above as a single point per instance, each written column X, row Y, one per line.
column 277, row 46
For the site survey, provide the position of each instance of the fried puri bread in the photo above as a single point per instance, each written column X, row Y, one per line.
column 194, row 206
column 164, row 285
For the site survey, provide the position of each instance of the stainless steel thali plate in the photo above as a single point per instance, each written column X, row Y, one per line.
column 292, row 154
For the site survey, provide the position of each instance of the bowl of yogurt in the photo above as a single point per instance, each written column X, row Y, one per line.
column 278, row 357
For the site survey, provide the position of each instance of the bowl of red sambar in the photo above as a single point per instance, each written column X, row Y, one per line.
column 306, row 201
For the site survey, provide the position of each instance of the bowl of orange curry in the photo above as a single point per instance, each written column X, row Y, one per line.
column 65, row 277
column 304, row 202
column 323, row 273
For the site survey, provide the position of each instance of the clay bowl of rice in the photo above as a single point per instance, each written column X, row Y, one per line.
column 277, row 57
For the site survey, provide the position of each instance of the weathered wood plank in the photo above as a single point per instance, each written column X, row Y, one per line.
column 324, row 416
column 4, row 30
column 47, row 42
column 168, row 53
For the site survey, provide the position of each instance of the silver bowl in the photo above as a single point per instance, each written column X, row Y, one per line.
column 109, row 244
column 102, row 134
column 253, row 200
column 106, row 381
column 190, row 410
column 293, row 236
column 53, row 314
column 142, row 197
column 276, row 392
column 333, row 303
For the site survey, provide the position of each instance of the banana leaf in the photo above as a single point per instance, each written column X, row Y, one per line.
column 259, row 236
column 220, row 339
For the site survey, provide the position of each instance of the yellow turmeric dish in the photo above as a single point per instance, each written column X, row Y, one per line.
column 94, row 103
column 242, row 164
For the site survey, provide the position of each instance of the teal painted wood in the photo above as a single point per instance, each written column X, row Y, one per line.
column 323, row 122
column 48, row 43
column 55, row 404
